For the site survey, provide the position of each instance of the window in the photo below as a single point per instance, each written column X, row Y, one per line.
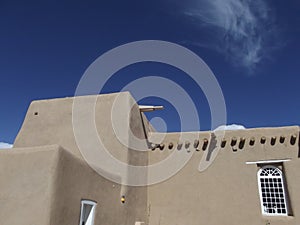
column 87, row 212
column 272, row 191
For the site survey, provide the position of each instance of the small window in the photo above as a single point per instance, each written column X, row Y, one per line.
column 87, row 212
column 272, row 191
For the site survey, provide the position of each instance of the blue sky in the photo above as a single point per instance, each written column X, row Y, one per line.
column 251, row 46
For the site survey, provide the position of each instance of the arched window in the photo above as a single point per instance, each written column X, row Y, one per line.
column 272, row 191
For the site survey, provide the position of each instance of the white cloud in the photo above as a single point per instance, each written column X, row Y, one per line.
column 4, row 145
column 241, row 27
column 230, row 127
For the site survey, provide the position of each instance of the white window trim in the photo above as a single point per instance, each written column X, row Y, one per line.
column 268, row 161
column 87, row 202
column 260, row 192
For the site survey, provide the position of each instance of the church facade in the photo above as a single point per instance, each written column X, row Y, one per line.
column 233, row 177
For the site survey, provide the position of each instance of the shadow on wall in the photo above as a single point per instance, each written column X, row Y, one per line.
column 299, row 146
column 212, row 146
column 288, row 197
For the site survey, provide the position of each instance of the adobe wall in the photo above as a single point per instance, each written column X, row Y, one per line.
column 27, row 185
column 222, row 192
column 50, row 122
column 76, row 181
column 227, row 191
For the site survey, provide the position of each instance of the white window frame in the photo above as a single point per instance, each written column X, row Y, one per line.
column 92, row 213
column 263, row 211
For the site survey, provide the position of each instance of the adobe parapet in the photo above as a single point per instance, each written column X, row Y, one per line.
column 50, row 122
column 255, row 144
column 235, row 140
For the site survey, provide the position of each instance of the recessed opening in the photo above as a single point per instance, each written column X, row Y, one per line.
column 153, row 146
column 242, row 143
column 187, row 144
column 293, row 139
column 205, row 144
column 36, row 113
column 252, row 141
column 272, row 191
column 233, row 141
column 179, row 146
column 87, row 212
column 281, row 140
column 161, row 147
column 223, row 143
column 273, row 140
column 196, row 143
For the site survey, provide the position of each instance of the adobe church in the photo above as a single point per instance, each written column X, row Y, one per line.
column 248, row 177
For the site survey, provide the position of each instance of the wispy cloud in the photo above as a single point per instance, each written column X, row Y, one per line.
column 242, row 27
column 5, row 145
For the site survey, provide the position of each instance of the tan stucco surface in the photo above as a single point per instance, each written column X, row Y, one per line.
column 226, row 192
column 27, row 184
column 44, row 177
